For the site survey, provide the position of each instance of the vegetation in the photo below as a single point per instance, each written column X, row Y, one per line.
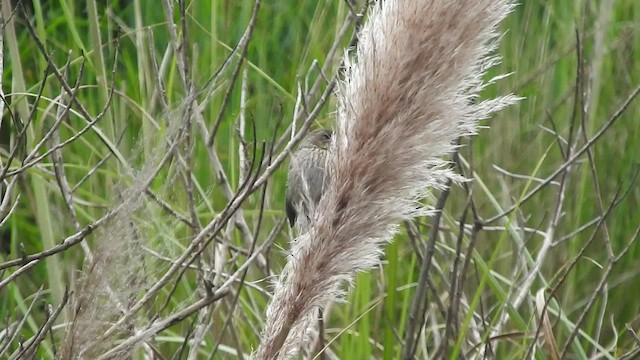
column 119, row 220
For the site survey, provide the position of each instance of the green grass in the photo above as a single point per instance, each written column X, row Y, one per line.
column 538, row 48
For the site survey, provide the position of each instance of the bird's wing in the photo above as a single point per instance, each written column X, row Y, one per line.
column 293, row 183
column 315, row 180
column 306, row 183
column 291, row 211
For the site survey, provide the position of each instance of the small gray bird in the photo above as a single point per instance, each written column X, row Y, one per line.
column 307, row 175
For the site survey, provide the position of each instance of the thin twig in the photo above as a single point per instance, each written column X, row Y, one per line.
column 416, row 312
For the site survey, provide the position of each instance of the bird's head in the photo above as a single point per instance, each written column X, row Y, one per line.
column 320, row 138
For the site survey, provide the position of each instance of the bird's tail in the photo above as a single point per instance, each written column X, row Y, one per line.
column 407, row 95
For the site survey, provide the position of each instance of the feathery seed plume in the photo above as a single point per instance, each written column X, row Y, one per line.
column 406, row 97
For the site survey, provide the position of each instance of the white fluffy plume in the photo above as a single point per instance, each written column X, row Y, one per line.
column 407, row 96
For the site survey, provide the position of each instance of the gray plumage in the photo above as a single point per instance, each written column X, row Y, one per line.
column 307, row 175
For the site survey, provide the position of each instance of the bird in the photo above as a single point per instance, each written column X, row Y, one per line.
column 307, row 177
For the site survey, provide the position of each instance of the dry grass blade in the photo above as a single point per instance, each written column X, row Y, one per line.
column 546, row 327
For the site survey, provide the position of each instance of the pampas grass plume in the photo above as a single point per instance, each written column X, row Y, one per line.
column 409, row 92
